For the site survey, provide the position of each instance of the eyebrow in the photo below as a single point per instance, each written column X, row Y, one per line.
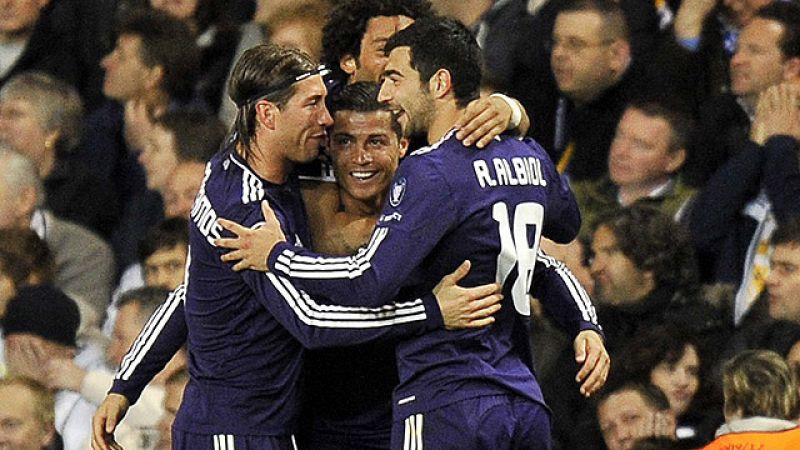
column 390, row 72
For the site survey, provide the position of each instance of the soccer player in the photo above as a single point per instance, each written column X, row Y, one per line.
column 246, row 331
column 467, row 389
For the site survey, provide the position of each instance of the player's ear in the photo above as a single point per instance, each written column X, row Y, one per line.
column 348, row 64
column 403, row 146
column 266, row 113
column 440, row 84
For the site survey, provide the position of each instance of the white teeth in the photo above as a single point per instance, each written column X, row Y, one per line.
column 362, row 175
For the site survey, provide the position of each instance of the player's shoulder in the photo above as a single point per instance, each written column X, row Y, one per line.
column 438, row 148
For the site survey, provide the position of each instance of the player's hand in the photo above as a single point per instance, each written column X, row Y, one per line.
column 105, row 421
column 591, row 353
column 466, row 307
column 484, row 119
column 251, row 246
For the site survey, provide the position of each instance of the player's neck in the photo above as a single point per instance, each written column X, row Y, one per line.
column 444, row 117
column 270, row 166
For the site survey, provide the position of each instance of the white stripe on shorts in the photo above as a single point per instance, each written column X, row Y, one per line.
column 413, row 433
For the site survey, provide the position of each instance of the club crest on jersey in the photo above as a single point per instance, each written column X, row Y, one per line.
column 397, row 193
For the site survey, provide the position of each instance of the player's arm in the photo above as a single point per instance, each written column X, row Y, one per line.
column 568, row 304
column 163, row 334
column 317, row 322
column 406, row 233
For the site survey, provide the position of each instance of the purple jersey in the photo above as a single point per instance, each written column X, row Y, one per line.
column 447, row 204
column 246, row 331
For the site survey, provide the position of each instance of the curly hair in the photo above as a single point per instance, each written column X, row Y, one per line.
column 347, row 24
column 653, row 242
column 651, row 347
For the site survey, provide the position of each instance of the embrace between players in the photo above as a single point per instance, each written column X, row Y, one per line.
column 448, row 214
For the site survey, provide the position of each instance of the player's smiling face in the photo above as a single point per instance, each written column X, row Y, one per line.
column 365, row 151
column 403, row 89
column 303, row 120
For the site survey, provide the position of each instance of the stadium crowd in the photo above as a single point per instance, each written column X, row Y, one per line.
column 676, row 123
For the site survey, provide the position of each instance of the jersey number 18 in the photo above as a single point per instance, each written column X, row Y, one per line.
column 516, row 249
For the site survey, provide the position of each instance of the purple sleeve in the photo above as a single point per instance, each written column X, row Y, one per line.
column 418, row 213
column 163, row 334
column 316, row 321
column 562, row 296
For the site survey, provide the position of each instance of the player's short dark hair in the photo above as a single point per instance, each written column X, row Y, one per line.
column 614, row 26
column 361, row 97
column 680, row 123
column 169, row 43
column 259, row 69
column 146, row 297
column 654, row 242
column 344, row 31
column 197, row 135
column 443, row 43
column 651, row 394
column 164, row 235
column 788, row 15
column 788, row 232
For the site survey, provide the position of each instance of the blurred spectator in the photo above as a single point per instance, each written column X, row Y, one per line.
column 761, row 403
column 152, row 69
column 645, row 275
column 300, row 26
column 179, row 138
column 41, row 325
column 532, row 80
column 704, row 37
column 161, row 263
column 26, row 414
column 633, row 412
column 671, row 359
column 24, row 260
column 783, row 282
column 736, row 213
column 173, row 395
column 163, row 253
column 29, row 41
column 135, row 307
column 647, row 152
column 84, row 265
column 182, row 188
column 41, row 118
column 768, row 53
column 216, row 37
column 593, row 68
